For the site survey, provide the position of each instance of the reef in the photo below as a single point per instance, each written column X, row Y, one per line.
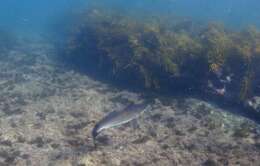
column 168, row 54
column 48, row 111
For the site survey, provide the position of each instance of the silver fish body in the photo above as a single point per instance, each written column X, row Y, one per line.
column 117, row 118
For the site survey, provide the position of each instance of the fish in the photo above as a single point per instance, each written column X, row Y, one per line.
column 221, row 91
column 117, row 118
column 226, row 80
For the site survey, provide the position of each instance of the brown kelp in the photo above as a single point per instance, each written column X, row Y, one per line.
column 167, row 55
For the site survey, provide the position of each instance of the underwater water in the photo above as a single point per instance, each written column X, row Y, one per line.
column 141, row 82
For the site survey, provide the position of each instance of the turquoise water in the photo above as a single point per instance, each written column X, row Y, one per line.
column 67, row 64
column 37, row 16
column 30, row 16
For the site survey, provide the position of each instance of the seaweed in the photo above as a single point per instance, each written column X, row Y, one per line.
column 217, row 45
column 166, row 55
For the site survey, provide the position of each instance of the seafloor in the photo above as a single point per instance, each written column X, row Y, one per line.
column 47, row 112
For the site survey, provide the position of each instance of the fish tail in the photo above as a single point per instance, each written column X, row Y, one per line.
column 95, row 132
column 94, row 135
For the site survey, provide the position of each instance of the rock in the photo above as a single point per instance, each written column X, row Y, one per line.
column 38, row 141
column 243, row 131
column 254, row 103
column 210, row 162
column 56, row 129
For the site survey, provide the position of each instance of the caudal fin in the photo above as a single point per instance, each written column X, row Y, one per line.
column 95, row 132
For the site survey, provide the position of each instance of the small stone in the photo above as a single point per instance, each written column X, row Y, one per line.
column 210, row 162
column 6, row 142
column 55, row 146
column 257, row 145
column 243, row 131
column 141, row 140
column 38, row 141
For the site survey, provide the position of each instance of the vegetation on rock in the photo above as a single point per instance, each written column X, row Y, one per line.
column 166, row 55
